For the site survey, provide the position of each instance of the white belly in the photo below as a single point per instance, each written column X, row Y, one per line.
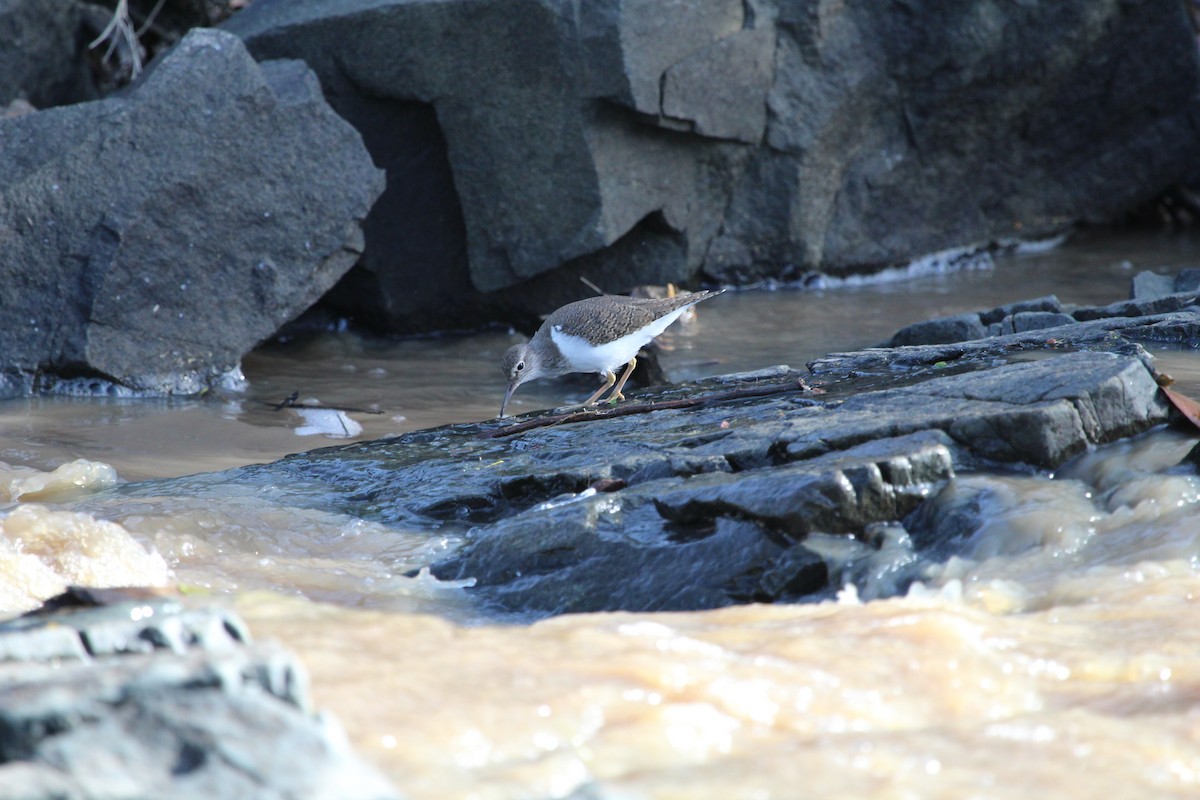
column 586, row 357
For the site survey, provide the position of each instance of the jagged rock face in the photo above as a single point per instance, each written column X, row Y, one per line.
column 638, row 141
column 153, row 238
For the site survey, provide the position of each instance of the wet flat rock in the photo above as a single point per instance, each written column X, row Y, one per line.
column 708, row 494
column 711, row 504
column 149, row 699
column 709, row 539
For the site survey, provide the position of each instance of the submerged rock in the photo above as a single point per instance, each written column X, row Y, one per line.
column 153, row 238
column 150, row 699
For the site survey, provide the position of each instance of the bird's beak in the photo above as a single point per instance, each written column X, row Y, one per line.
column 512, row 387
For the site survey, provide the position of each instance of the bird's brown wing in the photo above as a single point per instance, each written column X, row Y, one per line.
column 603, row 319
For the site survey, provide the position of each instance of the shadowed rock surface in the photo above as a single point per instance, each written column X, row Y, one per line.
column 149, row 699
column 42, row 60
column 634, row 141
column 152, row 239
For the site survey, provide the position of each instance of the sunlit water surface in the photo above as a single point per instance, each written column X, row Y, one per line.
column 1059, row 654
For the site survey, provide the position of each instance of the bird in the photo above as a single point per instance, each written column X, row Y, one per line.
column 597, row 334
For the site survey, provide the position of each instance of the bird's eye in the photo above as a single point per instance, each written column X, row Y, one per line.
column 520, row 366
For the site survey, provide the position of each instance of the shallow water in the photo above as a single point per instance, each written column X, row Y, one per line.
column 1065, row 637
column 428, row 382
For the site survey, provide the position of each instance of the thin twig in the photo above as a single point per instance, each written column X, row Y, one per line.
column 150, row 18
column 119, row 29
column 757, row 390
column 592, row 286
column 290, row 402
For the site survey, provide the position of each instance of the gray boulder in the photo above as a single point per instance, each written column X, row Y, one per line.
column 1008, row 322
column 167, row 702
column 1151, row 286
column 957, row 328
column 1147, row 286
column 151, row 239
column 633, row 141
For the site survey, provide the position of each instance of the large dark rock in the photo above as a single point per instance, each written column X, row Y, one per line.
column 633, row 141
column 149, row 699
column 150, row 240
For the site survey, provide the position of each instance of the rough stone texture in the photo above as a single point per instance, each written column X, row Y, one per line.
column 147, row 699
column 1151, row 302
column 1120, row 334
column 1138, row 308
column 1151, row 286
column 152, row 239
column 1048, row 304
column 958, row 328
column 640, row 141
column 42, row 53
column 1038, row 320
column 1187, row 280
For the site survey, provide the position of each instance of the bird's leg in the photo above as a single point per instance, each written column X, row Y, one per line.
column 616, row 395
column 609, row 380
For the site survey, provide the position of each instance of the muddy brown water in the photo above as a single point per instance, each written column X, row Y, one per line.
column 1059, row 654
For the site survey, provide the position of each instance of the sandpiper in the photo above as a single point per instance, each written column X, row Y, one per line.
column 597, row 335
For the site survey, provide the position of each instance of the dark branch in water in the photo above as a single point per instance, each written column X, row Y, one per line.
column 290, row 402
column 586, row 415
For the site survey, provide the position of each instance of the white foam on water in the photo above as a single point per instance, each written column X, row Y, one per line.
column 328, row 423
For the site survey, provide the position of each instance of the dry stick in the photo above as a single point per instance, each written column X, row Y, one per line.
column 592, row 286
column 644, row 408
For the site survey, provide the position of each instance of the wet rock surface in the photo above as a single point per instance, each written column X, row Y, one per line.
column 718, row 537
column 150, row 242
column 711, row 493
column 1145, row 317
column 638, row 142
column 147, row 698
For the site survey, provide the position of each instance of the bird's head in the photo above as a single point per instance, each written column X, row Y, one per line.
column 520, row 364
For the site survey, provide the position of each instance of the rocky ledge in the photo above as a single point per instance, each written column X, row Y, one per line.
column 708, row 494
